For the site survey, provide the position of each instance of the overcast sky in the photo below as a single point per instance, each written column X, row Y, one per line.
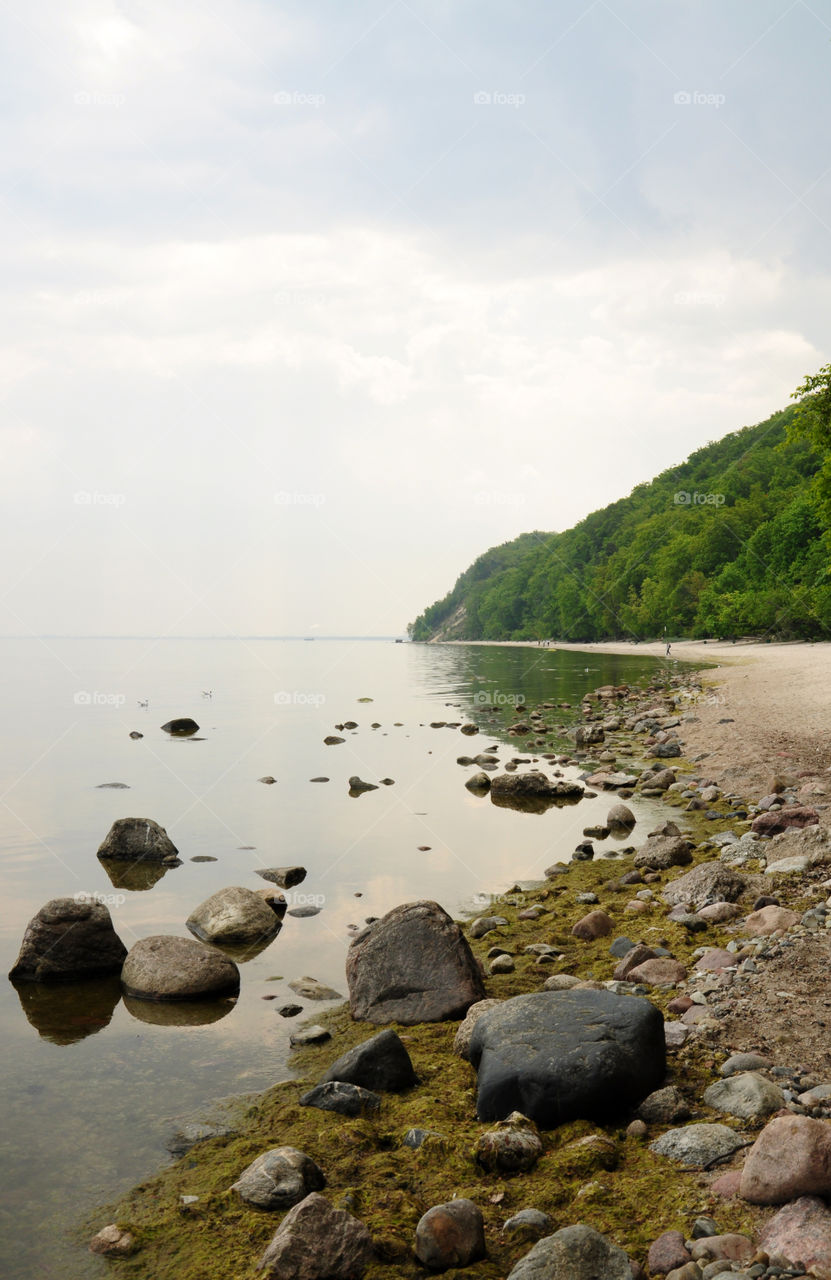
column 308, row 304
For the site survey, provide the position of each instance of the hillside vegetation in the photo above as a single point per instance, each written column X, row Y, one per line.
column 733, row 541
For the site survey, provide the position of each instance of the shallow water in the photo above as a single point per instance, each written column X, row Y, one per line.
column 91, row 1084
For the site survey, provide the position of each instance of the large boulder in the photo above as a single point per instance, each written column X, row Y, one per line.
column 137, row 840
column 413, row 965
column 801, row 1232
column 587, row 735
column 68, row 939
column 746, row 1095
column 316, row 1240
column 557, row 1056
column 382, row 1062
column 706, row 883
column 790, row 1158
column 170, row 968
column 573, row 1253
column 278, row 1179
column 533, row 790
column 620, row 818
column 234, row 915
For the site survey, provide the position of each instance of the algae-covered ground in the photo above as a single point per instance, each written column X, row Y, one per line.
column 622, row 1189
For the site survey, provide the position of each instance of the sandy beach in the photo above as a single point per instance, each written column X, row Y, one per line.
column 767, row 709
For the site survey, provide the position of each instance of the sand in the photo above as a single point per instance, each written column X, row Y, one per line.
column 766, row 710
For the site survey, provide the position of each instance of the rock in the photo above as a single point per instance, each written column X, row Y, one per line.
column 380, row 1063
column 528, row 1224
column 461, row 1042
column 304, row 913
column 316, row 1241
column 357, row 785
column 512, row 1147
column 708, row 882
column 743, row 1062
column 620, row 818
column 68, row 939
column 588, row 734
column 634, row 956
column 268, row 780
column 715, row 960
column 182, row 727
column 594, row 925
column 469, row 729
column 503, row 964
column 485, row 924
column 675, row 1034
column 310, row 989
column 413, row 965
column 135, row 735
column 415, row 1138
column 341, row 1096
column 314, row 1034
column 278, row 1179
column 696, row 1146
column 289, row 1010
column 113, row 1242
column 730, row 1247
column 573, row 1253
column 666, row 1253
column 666, row 750
column 285, row 877
column 234, row 915
column 760, row 924
column 661, row 972
column 664, row 1106
column 559, row 982
column 531, row 788
column 191, row 1133
column 771, row 823
column 611, row 781
column 789, row 866
column 561, row 1055
column 746, row 1095
column 478, row 782
column 332, row 740
column 801, row 1232
column 138, row 839
column 661, row 852
column 169, row 968
column 719, row 912
column 450, row 1235
column 790, row 1158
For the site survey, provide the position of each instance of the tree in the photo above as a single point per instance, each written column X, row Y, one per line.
column 812, row 420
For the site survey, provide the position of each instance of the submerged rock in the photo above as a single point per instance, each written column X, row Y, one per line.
column 171, row 968
column 182, row 727
column 235, row 915
column 412, row 965
column 68, row 939
column 138, row 839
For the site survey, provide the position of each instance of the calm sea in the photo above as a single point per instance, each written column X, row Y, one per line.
column 91, row 1089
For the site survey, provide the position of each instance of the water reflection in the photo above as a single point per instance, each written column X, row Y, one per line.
column 240, row 952
column 178, row 1013
column 66, row 1012
column 136, row 876
column 531, row 804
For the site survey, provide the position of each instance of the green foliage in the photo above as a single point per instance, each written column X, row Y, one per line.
column 733, row 541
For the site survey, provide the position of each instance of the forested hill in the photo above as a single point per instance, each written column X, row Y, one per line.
column 731, row 542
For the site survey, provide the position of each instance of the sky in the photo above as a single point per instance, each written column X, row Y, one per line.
column 306, row 305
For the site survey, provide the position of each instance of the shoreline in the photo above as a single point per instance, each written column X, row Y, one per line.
column 389, row 1187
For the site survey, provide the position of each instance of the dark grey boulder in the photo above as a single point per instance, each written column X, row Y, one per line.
column 171, row 968
column 316, row 1240
column 557, row 1056
column 413, row 965
column 137, row 840
column 182, row 727
column 666, row 750
column 357, row 786
column 573, row 1253
column 68, row 939
column 380, row 1063
column 341, row 1096
column 279, row 1179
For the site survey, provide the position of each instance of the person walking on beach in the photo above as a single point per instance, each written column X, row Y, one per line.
column 669, row 647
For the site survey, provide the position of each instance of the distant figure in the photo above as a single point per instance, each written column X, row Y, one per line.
column 207, row 693
column 669, row 648
column 146, row 703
